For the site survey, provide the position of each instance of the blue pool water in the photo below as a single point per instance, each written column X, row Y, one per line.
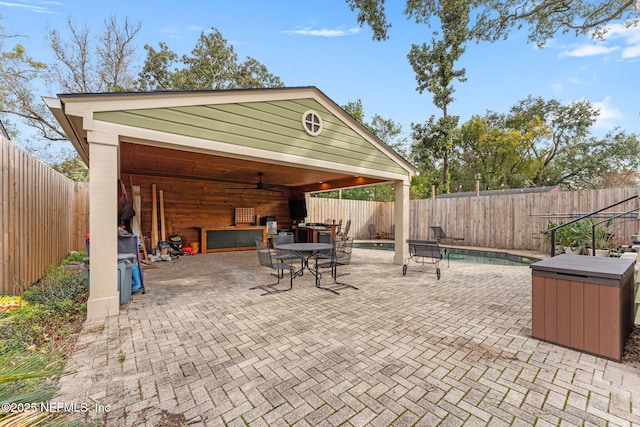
column 463, row 255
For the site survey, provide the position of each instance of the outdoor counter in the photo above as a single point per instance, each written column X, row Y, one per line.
column 583, row 302
column 217, row 238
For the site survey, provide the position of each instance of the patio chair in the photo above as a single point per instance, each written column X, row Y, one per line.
column 439, row 234
column 266, row 259
column 344, row 234
column 372, row 231
column 341, row 256
column 284, row 256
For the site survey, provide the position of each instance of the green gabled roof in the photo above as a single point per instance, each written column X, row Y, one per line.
column 268, row 125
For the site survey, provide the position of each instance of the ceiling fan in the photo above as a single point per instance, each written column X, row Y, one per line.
column 261, row 186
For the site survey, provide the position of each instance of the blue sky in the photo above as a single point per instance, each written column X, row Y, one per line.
column 321, row 44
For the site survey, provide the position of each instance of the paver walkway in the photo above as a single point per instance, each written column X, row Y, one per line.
column 401, row 350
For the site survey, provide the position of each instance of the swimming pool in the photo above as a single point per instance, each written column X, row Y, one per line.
column 463, row 255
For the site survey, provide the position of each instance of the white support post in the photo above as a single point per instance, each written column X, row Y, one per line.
column 104, row 299
column 401, row 218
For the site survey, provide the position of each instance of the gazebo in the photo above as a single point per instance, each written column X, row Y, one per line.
column 211, row 152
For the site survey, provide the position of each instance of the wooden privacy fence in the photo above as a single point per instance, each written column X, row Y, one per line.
column 361, row 213
column 503, row 221
column 44, row 215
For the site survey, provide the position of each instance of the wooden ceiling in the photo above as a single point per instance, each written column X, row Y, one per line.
column 140, row 159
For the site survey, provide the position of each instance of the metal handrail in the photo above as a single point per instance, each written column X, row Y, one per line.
column 553, row 230
column 593, row 228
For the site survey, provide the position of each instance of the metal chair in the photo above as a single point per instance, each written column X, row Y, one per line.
column 285, row 256
column 372, row 231
column 439, row 234
column 341, row 257
column 344, row 234
column 425, row 252
column 266, row 259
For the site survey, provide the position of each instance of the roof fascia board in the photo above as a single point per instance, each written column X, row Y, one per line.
column 79, row 105
column 364, row 133
column 206, row 146
column 56, row 108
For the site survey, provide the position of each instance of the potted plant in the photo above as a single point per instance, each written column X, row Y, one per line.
column 571, row 238
column 603, row 239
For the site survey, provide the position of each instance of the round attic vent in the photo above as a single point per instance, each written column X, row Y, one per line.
column 312, row 123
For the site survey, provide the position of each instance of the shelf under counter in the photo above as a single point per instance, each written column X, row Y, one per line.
column 221, row 238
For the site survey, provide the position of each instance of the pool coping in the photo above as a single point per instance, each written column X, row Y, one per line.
column 536, row 255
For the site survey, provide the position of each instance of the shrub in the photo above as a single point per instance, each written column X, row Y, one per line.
column 31, row 337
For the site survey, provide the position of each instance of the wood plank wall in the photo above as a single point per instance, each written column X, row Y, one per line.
column 507, row 221
column 44, row 215
column 189, row 203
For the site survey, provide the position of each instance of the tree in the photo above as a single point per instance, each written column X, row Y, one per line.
column 541, row 143
column 85, row 65
column 213, row 64
column 499, row 157
column 569, row 126
column 386, row 130
column 73, row 168
column 433, row 64
column 81, row 65
column 495, row 19
column 546, row 18
column 611, row 161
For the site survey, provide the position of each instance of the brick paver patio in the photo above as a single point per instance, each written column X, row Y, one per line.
column 401, row 350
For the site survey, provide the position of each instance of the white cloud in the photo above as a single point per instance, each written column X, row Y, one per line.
column 618, row 39
column 325, row 32
column 576, row 81
column 630, row 35
column 609, row 114
column 589, row 50
column 625, row 36
column 557, row 87
column 32, row 8
column 631, row 52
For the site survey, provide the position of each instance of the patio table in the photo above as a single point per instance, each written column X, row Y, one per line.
column 306, row 251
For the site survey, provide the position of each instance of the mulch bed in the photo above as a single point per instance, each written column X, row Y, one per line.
column 632, row 348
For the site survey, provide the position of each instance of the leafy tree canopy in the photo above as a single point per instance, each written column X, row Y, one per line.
column 105, row 62
column 495, row 19
column 213, row 64
column 542, row 143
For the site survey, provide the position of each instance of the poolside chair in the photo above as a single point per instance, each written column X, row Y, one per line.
column 341, row 256
column 372, row 231
column 439, row 234
column 425, row 252
column 266, row 259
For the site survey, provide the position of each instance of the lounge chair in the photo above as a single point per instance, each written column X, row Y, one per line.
column 425, row 252
column 439, row 234
column 372, row 231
